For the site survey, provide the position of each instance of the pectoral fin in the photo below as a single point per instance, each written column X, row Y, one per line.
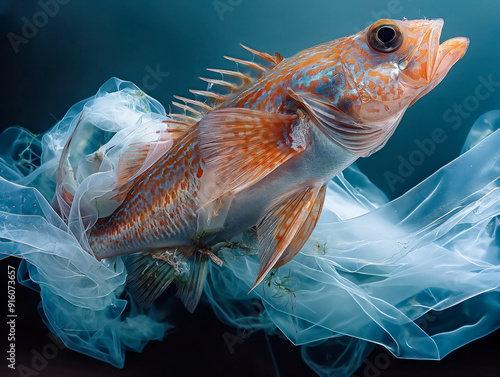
column 277, row 231
column 241, row 146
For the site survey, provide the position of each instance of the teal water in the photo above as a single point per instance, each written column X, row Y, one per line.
column 164, row 46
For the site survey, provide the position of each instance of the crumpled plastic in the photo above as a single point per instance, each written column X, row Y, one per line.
column 418, row 274
column 83, row 300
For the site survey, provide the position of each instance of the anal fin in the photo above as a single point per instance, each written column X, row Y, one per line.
column 191, row 288
column 277, row 231
column 150, row 273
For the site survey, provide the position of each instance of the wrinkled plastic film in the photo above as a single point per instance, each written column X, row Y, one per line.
column 418, row 275
column 82, row 299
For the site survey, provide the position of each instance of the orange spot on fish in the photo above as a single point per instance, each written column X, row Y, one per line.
column 199, row 173
column 384, row 78
column 312, row 72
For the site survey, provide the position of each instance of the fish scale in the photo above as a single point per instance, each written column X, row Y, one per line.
column 172, row 185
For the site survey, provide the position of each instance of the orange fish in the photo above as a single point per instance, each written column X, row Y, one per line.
column 258, row 152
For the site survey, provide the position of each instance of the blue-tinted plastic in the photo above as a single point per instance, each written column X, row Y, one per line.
column 418, row 275
column 83, row 302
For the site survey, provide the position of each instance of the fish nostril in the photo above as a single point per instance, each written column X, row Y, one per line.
column 403, row 63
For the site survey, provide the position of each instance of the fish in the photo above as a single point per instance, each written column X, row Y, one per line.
column 256, row 149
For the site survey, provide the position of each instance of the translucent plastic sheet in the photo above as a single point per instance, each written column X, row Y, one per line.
column 418, row 275
column 83, row 302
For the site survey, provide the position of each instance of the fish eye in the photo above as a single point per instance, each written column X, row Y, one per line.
column 385, row 36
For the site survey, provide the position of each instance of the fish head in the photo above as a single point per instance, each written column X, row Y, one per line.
column 373, row 77
column 394, row 63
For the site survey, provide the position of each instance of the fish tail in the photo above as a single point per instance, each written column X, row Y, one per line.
column 150, row 274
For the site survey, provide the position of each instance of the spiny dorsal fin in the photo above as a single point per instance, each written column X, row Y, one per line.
column 220, row 90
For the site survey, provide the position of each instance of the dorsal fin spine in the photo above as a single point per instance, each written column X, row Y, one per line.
column 194, row 102
column 211, row 95
column 221, row 83
column 240, row 75
column 263, row 55
column 247, row 63
column 183, row 118
column 186, row 108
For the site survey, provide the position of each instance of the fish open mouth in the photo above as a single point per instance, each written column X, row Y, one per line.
column 440, row 57
column 446, row 54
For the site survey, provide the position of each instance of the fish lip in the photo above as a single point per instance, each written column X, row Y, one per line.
column 449, row 52
column 437, row 54
column 444, row 55
column 431, row 38
column 440, row 57
column 435, row 33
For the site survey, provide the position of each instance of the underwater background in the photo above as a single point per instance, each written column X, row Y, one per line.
column 163, row 46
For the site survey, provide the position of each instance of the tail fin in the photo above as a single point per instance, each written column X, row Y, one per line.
column 150, row 273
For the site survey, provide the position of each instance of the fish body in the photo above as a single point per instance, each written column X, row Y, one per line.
column 261, row 155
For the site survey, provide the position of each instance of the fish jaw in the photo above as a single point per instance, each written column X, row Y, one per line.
column 429, row 59
column 448, row 53
column 428, row 63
